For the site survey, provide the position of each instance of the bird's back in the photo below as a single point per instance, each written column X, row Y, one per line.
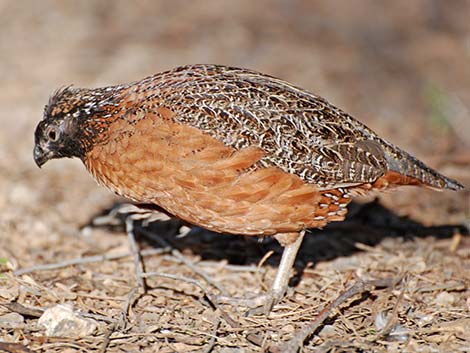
column 300, row 133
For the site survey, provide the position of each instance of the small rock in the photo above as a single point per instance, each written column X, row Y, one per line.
column 62, row 321
column 417, row 265
column 289, row 328
column 444, row 299
column 328, row 331
column 397, row 333
column 12, row 321
column 381, row 320
column 86, row 232
column 423, row 320
column 9, row 293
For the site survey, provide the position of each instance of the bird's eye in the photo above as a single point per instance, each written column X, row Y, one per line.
column 52, row 134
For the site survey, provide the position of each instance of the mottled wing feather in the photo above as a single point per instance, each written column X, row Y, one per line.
column 299, row 132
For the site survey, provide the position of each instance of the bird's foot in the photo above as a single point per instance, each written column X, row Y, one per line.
column 261, row 304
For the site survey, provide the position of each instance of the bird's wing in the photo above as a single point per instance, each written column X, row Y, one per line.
column 300, row 133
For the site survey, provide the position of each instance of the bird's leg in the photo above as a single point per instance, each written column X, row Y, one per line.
column 289, row 254
column 265, row 302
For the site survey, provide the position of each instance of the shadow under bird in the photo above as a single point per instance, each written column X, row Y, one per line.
column 230, row 150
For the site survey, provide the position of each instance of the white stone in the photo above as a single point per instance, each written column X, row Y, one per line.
column 62, row 321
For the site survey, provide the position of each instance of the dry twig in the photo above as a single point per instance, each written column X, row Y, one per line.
column 86, row 260
column 184, row 279
column 213, row 339
column 138, row 265
column 14, row 348
column 177, row 254
column 294, row 344
column 393, row 318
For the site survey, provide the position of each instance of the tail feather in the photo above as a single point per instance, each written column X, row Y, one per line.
column 402, row 162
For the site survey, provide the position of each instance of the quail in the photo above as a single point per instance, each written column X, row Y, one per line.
column 228, row 149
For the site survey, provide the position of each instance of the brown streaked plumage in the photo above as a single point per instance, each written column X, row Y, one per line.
column 227, row 149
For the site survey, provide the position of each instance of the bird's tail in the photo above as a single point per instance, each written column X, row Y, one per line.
column 405, row 164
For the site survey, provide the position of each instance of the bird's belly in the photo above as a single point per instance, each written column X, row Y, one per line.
column 200, row 180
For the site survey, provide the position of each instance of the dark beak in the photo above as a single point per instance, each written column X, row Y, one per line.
column 40, row 156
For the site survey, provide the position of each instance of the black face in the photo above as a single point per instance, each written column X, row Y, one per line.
column 57, row 135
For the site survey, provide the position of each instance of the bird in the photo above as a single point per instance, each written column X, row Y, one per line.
column 230, row 150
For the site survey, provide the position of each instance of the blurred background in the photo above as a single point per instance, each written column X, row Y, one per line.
column 401, row 67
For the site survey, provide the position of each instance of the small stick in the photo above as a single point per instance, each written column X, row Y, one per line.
column 34, row 311
column 233, row 268
column 177, row 254
column 14, row 348
column 178, row 278
column 86, row 260
column 393, row 318
column 232, row 323
column 296, row 342
column 139, row 268
column 132, row 297
column 23, row 310
column 107, row 338
column 251, row 336
column 213, row 339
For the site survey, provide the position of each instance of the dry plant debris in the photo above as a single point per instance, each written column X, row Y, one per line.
column 428, row 307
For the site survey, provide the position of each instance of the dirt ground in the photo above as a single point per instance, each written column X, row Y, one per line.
column 400, row 67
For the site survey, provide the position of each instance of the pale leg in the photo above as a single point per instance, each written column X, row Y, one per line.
column 264, row 303
column 281, row 281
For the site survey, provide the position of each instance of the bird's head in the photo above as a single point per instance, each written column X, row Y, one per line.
column 72, row 120
column 56, row 135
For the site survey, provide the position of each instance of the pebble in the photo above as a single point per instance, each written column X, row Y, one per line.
column 444, row 299
column 62, row 321
column 12, row 321
column 397, row 333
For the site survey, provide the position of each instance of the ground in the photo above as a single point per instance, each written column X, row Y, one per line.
column 400, row 67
